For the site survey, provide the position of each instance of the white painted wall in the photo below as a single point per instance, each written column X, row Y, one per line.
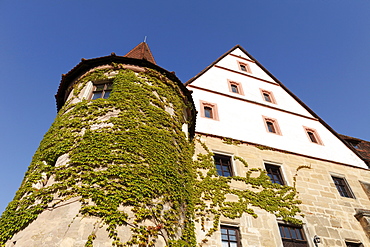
column 216, row 79
column 243, row 120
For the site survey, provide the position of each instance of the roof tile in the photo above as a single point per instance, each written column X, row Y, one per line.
column 141, row 51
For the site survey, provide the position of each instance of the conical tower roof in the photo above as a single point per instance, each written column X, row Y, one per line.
column 141, row 51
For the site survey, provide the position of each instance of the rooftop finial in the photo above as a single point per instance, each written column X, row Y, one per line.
column 144, row 39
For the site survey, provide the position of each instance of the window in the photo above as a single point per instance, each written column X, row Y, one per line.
column 208, row 110
column 268, row 96
column 102, row 90
column 223, row 165
column 313, row 136
column 342, row 187
column 274, row 173
column 353, row 244
column 366, row 188
column 292, row 236
column 354, row 144
column 235, row 87
column 244, row 67
column 230, row 236
column 272, row 125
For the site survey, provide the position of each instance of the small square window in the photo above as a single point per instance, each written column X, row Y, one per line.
column 342, row 187
column 208, row 110
column 223, row 165
column 230, row 236
column 313, row 136
column 272, row 125
column 274, row 173
column 102, row 90
column 268, row 96
column 244, row 67
column 235, row 87
column 292, row 236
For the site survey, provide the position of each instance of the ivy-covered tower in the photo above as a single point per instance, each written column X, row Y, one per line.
column 115, row 168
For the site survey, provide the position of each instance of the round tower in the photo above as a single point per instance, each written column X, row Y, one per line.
column 115, row 168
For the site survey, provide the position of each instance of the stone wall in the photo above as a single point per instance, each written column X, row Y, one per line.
column 326, row 214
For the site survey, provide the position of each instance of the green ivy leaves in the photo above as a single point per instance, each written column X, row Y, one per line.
column 136, row 161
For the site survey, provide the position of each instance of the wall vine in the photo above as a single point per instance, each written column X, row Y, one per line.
column 258, row 191
column 140, row 159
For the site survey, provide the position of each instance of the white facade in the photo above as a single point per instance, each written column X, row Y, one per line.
column 242, row 116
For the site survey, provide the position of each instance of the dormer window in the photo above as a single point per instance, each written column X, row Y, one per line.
column 354, row 144
column 102, row 90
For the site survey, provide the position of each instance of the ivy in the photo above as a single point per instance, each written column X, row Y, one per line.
column 258, row 191
column 140, row 159
column 137, row 160
column 231, row 141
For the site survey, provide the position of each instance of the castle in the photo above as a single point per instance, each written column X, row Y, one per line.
column 230, row 158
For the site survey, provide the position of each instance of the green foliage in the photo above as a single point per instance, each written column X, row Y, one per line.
column 138, row 160
column 263, row 147
column 231, row 141
column 258, row 191
column 142, row 159
column 90, row 240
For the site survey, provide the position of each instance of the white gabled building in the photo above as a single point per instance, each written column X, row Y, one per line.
column 116, row 169
column 246, row 98
column 237, row 98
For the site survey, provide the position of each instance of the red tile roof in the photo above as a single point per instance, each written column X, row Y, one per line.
column 141, row 51
column 361, row 146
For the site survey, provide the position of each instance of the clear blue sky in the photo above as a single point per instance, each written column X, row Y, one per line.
column 319, row 49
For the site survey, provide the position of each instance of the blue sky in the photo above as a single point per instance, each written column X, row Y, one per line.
column 319, row 49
